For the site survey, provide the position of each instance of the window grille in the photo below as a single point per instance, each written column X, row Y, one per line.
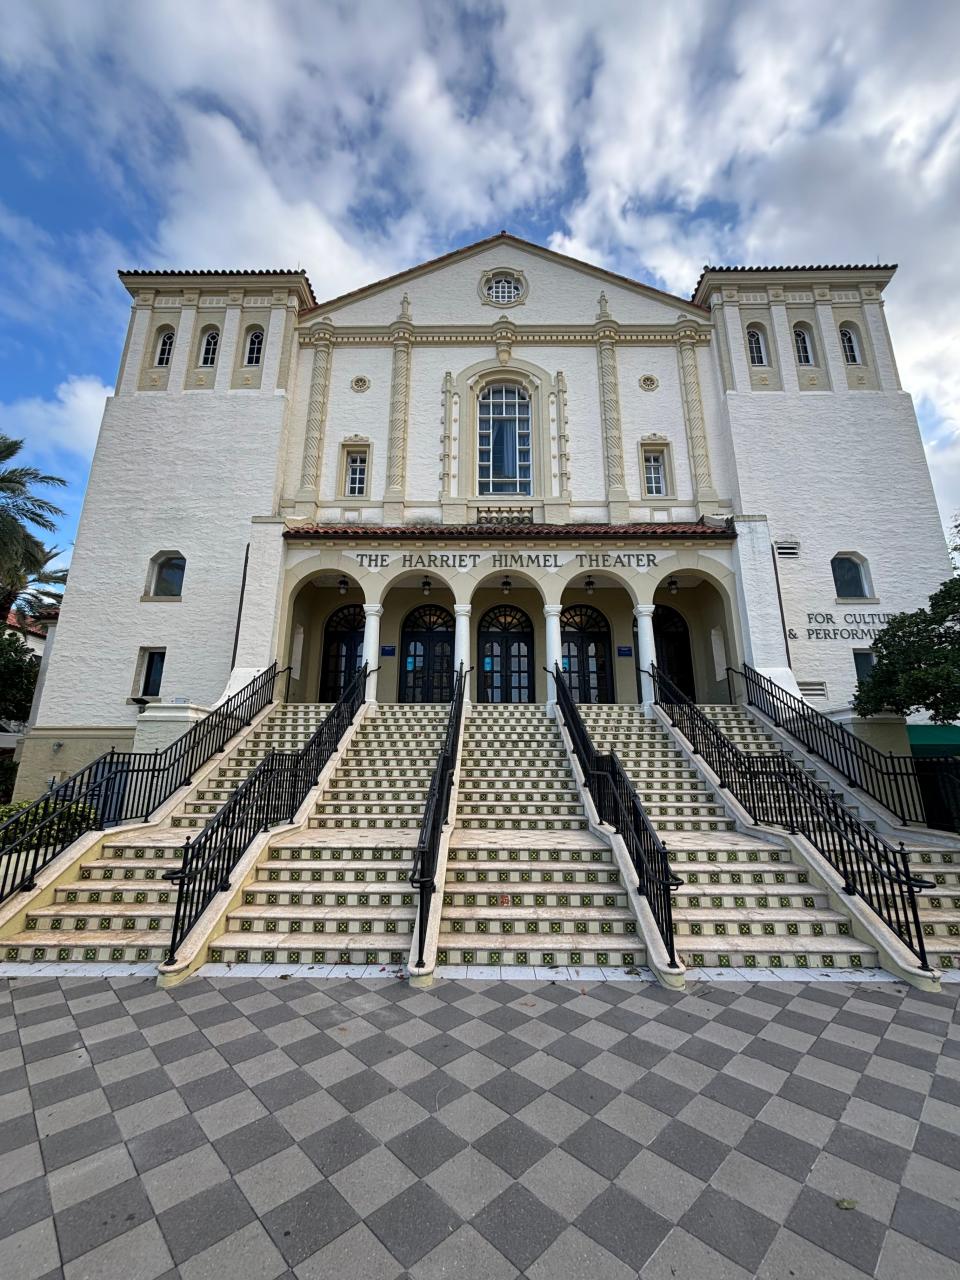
column 503, row 440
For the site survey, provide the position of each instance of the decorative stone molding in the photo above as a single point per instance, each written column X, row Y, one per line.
column 663, row 335
column 619, row 507
column 317, row 409
column 401, row 332
column 360, row 383
column 695, row 423
column 649, row 382
column 513, row 274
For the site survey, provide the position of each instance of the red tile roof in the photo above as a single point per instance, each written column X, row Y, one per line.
column 26, row 625
column 866, row 266
column 651, row 532
column 299, row 274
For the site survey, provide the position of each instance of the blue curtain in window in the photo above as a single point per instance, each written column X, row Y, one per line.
column 504, row 448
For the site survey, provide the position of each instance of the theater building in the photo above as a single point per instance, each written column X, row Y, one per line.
column 503, row 457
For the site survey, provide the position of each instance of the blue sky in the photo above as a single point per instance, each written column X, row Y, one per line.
column 356, row 139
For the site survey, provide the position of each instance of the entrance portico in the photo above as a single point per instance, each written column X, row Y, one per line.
column 604, row 602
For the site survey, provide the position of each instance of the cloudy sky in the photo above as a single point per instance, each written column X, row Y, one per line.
column 357, row 139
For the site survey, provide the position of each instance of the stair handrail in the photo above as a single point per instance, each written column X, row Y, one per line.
column 890, row 779
column 272, row 793
column 121, row 786
column 776, row 791
column 423, row 873
column 618, row 804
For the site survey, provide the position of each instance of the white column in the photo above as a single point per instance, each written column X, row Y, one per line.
column 887, row 376
column 646, row 649
column 461, row 643
column 785, row 350
column 140, row 325
column 183, row 344
column 831, row 344
column 228, row 347
column 729, row 311
column 371, row 646
column 554, row 650
column 273, row 344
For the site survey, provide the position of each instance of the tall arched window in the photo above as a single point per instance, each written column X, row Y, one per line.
column 756, row 345
column 850, row 344
column 208, row 351
column 503, row 440
column 164, row 348
column 254, row 352
column 168, row 576
column 849, row 577
column 803, row 342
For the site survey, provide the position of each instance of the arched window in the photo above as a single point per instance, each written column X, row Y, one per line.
column 803, row 342
column 849, row 577
column 254, row 352
column 164, row 348
column 756, row 345
column 850, row 344
column 168, row 576
column 208, row 351
column 586, row 657
column 503, row 440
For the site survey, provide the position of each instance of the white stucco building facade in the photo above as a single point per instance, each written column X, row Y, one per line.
column 505, row 457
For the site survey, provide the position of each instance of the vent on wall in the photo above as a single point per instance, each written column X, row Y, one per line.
column 813, row 688
column 788, row 550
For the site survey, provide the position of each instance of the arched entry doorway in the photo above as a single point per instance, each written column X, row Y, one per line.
column 587, row 659
column 342, row 650
column 505, row 649
column 671, row 637
column 426, row 655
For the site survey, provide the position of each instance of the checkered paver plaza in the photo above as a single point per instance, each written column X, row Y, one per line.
column 365, row 1130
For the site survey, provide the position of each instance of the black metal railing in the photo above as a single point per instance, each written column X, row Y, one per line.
column 923, row 789
column 272, row 793
column 776, row 791
column 120, row 786
column 423, row 876
column 618, row 804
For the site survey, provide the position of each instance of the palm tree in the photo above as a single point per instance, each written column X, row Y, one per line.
column 21, row 551
column 32, row 593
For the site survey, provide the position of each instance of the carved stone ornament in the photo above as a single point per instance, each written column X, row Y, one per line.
column 503, row 287
column 360, row 383
column 649, row 382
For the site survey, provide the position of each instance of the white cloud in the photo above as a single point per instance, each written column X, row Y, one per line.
column 67, row 424
column 357, row 139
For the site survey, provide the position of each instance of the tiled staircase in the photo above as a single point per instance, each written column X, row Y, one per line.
column 340, row 893
column 745, row 902
column 527, row 883
column 287, row 728
column 119, row 907
column 939, row 907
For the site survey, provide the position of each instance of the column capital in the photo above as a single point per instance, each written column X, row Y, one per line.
column 644, row 610
column 462, row 610
column 372, row 610
column 552, row 610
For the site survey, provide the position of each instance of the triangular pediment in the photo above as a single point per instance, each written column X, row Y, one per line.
column 556, row 289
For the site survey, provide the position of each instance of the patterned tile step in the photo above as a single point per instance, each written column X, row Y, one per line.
column 763, row 953
column 113, row 891
column 294, row 896
column 509, row 949
column 108, row 916
column 113, row 945
column 239, row 948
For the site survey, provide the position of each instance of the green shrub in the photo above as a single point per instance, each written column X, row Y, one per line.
column 7, row 811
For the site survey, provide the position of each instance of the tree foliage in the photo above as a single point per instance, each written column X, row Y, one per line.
column 21, row 511
column 918, row 662
column 18, row 676
column 33, row 593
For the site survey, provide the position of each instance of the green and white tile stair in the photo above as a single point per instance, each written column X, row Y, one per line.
column 745, row 902
column 119, row 907
column 527, row 883
column 940, row 906
column 287, row 728
column 340, row 893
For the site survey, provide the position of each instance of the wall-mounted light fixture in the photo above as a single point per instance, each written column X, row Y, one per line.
column 673, row 586
column 589, row 585
column 506, row 586
column 343, row 586
column 426, row 586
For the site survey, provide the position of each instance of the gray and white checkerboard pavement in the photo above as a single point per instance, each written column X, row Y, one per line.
column 359, row 1129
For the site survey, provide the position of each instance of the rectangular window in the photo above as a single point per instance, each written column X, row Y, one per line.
column 356, row 473
column 503, row 441
column 864, row 661
column 655, row 473
column 152, row 672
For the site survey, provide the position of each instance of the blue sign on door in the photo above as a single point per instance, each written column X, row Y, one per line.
column 624, row 650
column 388, row 651
column 410, row 663
column 488, row 664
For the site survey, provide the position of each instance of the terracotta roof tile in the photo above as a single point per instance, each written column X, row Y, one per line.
column 651, row 532
column 865, row 266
